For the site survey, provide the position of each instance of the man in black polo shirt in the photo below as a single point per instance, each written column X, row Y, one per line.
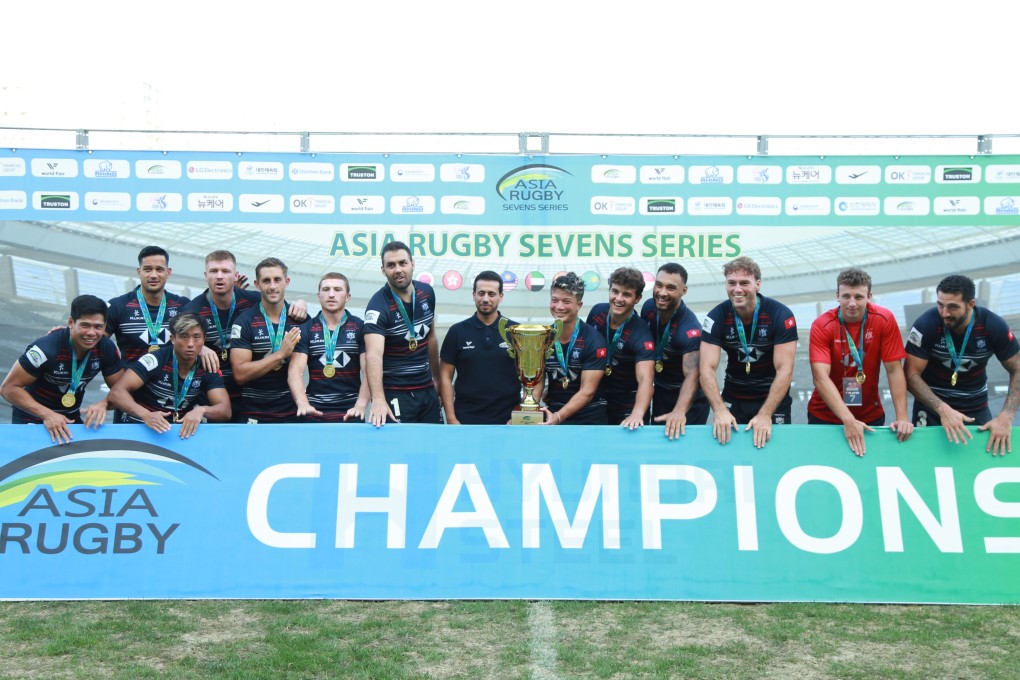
column 261, row 342
column 759, row 335
column 948, row 350
column 630, row 352
column 47, row 383
column 401, row 353
column 487, row 388
column 678, row 399
column 165, row 386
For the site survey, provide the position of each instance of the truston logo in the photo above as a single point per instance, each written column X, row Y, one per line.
column 537, row 186
column 361, row 172
column 54, row 201
column 660, row 205
column 952, row 174
column 91, row 497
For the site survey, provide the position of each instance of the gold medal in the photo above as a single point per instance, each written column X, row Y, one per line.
column 609, row 370
column 278, row 366
column 412, row 344
column 747, row 368
column 952, row 381
column 223, row 355
column 658, row 366
column 153, row 348
column 565, row 382
column 177, row 417
column 861, row 377
column 328, row 371
column 67, row 401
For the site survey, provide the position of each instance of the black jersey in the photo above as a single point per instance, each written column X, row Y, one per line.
column 403, row 368
column 486, row 388
column 243, row 301
column 335, row 394
column 156, row 370
column 634, row 344
column 267, row 398
column 125, row 322
column 776, row 326
column 48, row 360
column 681, row 337
column 588, row 353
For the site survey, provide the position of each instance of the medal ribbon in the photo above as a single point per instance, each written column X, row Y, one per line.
column 857, row 355
column 275, row 333
column 660, row 347
column 738, row 322
column 616, row 336
column 951, row 348
column 408, row 318
column 155, row 327
column 328, row 339
column 570, row 348
column 224, row 340
column 76, row 371
column 180, row 396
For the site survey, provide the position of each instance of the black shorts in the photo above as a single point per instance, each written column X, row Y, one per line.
column 923, row 416
column 415, row 406
column 665, row 400
column 745, row 409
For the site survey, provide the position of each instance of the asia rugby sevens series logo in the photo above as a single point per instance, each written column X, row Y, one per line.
column 90, row 497
column 534, row 187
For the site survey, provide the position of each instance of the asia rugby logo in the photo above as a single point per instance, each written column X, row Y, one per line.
column 90, row 497
column 536, row 183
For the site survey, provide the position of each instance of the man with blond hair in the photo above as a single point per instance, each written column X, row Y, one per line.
column 759, row 335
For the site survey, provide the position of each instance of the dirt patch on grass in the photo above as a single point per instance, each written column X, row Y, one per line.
column 233, row 626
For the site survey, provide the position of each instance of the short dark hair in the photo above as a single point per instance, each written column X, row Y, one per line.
column 183, row 323
column 149, row 251
column 270, row 262
column 393, row 246
column 853, row 277
column 334, row 275
column 957, row 283
column 220, row 256
column 87, row 305
column 571, row 283
column 743, row 264
column 488, row 275
column 628, row 277
column 674, row 268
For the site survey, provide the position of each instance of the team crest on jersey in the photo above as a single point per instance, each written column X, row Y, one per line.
column 790, row 323
column 915, row 337
column 619, row 345
column 35, row 356
column 424, row 305
column 350, row 336
column 694, row 333
column 981, row 344
column 600, row 353
column 780, row 419
column 172, row 312
column 764, row 332
column 649, row 345
column 60, row 367
column 95, row 365
column 707, row 324
column 235, row 332
column 149, row 361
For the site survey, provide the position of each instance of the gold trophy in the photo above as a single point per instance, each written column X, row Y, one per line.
column 529, row 344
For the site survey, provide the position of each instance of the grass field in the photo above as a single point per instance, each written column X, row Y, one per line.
column 503, row 639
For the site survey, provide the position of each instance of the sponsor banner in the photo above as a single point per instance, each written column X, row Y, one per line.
column 553, row 191
column 210, row 202
column 108, row 200
column 158, row 202
column 236, row 512
column 55, row 200
column 13, row 200
column 261, row 203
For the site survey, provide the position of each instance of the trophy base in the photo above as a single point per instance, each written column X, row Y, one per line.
column 526, row 417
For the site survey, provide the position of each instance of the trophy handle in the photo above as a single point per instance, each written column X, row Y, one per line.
column 502, row 333
column 558, row 328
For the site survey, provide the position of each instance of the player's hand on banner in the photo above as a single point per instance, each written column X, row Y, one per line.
column 676, row 423
column 307, row 409
column 156, row 420
column 955, row 425
column 95, row 415
column 632, row 422
column 56, row 424
column 380, row 414
column 356, row 412
column 723, row 424
column 854, row 433
column 902, row 428
column 1000, row 438
column 762, row 426
column 190, row 423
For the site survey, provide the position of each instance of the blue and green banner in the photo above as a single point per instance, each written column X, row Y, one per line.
column 476, row 512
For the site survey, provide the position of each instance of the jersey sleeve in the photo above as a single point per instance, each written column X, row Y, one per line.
column 713, row 328
column 212, row 381
column 377, row 315
column 360, row 325
column 37, row 356
column 920, row 339
column 641, row 342
column 1005, row 344
column 892, row 341
column 786, row 326
column 448, row 350
column 147, row 366
column 240, row 332
column 306, row 334
column 109, row 357
column 820, row 342
column 594, row 356
column 113, row 313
